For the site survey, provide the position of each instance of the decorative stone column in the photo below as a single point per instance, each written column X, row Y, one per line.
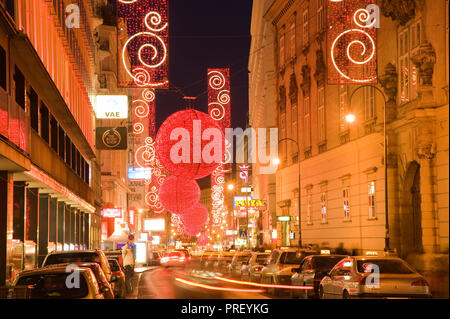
column 430, row 231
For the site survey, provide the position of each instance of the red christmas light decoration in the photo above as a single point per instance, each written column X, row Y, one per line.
column 196, row 215
column 143, row 43
column 190, row 145
column 352, row 57
column 192, row 230
column 219, row 102
column 176, row 194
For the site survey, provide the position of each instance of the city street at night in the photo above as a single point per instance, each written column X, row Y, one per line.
column 215, row 158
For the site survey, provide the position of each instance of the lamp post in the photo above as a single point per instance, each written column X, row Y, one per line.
column 351, row 118
column 299, row 205
column 231, row 188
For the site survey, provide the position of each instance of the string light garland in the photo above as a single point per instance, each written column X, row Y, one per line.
column 352, row 38
column 219, row 108
column 143, row 43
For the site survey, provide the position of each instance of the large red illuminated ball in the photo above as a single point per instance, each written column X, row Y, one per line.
column 193, row 165
column 195, row 215
column 192, row 230
column 177, row 193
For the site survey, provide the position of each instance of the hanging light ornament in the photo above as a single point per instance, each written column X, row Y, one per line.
column 175, row 194
column 196, row 215
column 185, row 156
column 192, row 230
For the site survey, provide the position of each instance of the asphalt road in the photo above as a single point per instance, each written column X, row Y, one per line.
column 162, row 283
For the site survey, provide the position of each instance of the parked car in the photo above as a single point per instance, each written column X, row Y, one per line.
column 173, row 259
column 70, row 257
column 115, row 254
column 278, row 270
column 120, row 288
column 251, row 270
column 311, row 271
column 208, row 260
column 223, row 262
column 373, row 277
column 238, row 260
column 106, row 287
column 50, row 283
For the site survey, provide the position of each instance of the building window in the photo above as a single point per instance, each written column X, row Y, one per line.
column 320, row 15
column 323, row 207
column 309, row 209
column 282, row 57
column 34, row 110
column 19, row 81
column 369, row 103
column 307, row 121
column 54, row 133
column 2, row 68
column 305, row 28
column 61, row 142
column 68, row 150
column 409, row 39
column 346, row 203
column 294, row 113
column 45, row 123
column 343, row 125
column 293, row 39
column 371, row 195
column 321, row 113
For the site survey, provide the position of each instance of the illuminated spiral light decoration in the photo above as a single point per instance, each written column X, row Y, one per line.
column 352, row 40
column 219, row 101
column 144, row 53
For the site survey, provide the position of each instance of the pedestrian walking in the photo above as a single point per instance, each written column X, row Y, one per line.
column 128, row 265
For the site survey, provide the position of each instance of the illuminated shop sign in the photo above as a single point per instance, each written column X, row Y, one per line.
column 251, row 203
column 111, row 138
column 352, row 38
column 112, row 212
column 154, row 224
column 284, row 218
column 111, row 106
column 139, row 173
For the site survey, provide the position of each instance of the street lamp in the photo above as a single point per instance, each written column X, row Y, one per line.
column 350, row 118
column 276, row 161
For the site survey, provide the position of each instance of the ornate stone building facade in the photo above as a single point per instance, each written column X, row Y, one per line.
column 342, row 165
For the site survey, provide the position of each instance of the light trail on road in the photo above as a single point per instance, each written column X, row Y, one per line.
column 263, row 285
column 194, row 284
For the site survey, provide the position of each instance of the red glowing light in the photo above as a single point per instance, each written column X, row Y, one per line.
column 352, row 41
column 143, row 36
column 194, row 165
column 248, row 283
column 176, row 194
column 194, row 284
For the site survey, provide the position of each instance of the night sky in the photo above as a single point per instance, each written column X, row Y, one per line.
column 206, row 34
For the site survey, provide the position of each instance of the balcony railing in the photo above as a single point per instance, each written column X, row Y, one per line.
column 14, row 122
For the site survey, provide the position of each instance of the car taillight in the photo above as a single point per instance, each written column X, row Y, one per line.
column 421, row 282
column 258, row 268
